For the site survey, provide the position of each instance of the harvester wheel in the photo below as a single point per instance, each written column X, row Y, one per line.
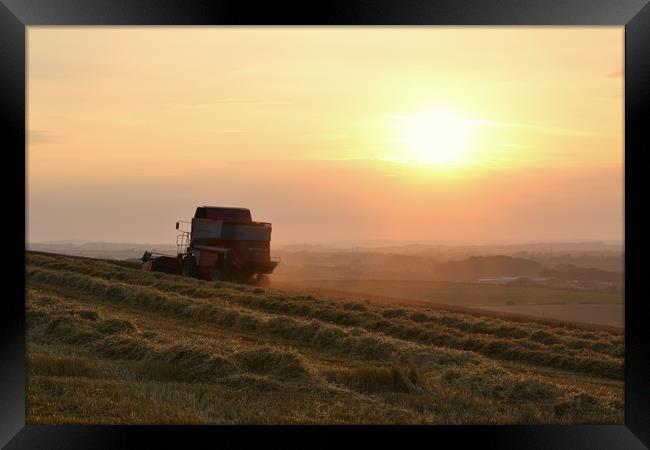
column 262, row 280
column 189, row 266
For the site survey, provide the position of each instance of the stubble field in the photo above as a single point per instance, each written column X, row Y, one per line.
column 110, row 344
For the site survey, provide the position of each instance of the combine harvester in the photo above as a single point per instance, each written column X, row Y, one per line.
column 222, row 244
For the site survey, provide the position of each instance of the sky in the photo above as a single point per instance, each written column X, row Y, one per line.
column 333, row 134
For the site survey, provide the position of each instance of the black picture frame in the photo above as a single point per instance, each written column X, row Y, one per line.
column 634, row 15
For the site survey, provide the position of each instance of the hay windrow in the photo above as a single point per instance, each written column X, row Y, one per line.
column 536, row 348
column 168, row 347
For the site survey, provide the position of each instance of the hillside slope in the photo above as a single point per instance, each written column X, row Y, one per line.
column 110, row 344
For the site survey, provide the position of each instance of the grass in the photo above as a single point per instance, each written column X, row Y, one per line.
column 110, row 344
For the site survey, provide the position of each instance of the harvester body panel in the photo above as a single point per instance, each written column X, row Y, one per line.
column 223, row 243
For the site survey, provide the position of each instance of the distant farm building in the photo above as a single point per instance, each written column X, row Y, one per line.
column 519, row 281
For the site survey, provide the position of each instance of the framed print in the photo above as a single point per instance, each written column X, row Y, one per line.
column 378, row 218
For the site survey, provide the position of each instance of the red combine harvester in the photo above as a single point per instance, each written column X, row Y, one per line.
column 222, row 244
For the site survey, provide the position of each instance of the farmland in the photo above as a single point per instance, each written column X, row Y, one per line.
column 599, row 308
column 465, row 294
column 110, row 344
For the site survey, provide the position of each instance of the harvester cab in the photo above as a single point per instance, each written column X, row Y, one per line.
column 222, row 244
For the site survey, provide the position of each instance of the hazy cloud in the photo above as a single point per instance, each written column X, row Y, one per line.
column 228, row 101
column 119, row 120
column 618, row 73
column 221, row 131
column 542, row 129
column 36, row 137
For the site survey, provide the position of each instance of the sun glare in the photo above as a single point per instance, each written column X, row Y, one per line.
column 436, row 135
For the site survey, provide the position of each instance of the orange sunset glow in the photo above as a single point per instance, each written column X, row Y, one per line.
column 333, row 134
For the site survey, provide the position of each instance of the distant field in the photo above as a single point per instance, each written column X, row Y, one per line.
column 464, row 294
column 610, row 314
column 547, row 303
column 110, row 344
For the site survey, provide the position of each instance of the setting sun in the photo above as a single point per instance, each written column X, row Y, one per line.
column 306, row 126
column 436, row 135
